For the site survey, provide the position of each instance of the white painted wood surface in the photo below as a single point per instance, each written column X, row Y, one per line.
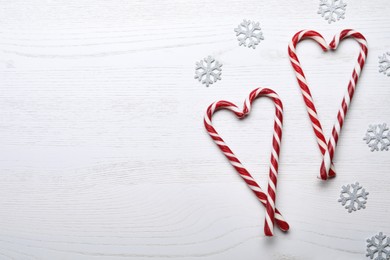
column 103, row 150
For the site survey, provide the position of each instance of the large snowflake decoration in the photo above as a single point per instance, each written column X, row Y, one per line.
column 332, row 9
column 208, row 71
column 379, row 247
column 384, row 64
column 249, row 33
column 355, row 195
column 378, row 137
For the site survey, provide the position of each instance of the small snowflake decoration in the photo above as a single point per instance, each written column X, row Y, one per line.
column 208, row 71
column 332, row 9
column 379, row 247
column 249, row 34
column 355, row 195
column 384, row 64
column 378, row 137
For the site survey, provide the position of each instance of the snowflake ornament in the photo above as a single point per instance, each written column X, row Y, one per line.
column 378, row 137
column 354, row 194
column 208, row 71
column 249, row 34
column 384, row 64
column 332, row 9
column 379, row 247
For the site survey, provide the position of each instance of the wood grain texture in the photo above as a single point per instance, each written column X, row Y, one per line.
column 103, row 154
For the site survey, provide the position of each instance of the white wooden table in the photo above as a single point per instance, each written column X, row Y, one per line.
column 103, row 150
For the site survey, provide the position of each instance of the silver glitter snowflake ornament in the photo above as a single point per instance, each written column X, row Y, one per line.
column 208, row 71
column 249, row 34
column 379, row 247
column 355, row 195
column 384, row 64
column 332, row 10
column 378, row 137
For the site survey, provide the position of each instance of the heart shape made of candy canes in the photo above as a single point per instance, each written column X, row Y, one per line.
column 268, row 200
column 327, row 148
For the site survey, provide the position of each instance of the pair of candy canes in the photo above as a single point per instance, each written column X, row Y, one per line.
column 327, row 148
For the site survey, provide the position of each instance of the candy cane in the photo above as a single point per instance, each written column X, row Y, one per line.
column 267, row 200
column 327, row 148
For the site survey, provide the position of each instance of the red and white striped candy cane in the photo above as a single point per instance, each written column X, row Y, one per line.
column 267, row 200
column 327, row 148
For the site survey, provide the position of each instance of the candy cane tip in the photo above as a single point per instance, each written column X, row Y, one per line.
column 285, row 227
column 323, row 178
column 268, row 232
column 242, row 115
